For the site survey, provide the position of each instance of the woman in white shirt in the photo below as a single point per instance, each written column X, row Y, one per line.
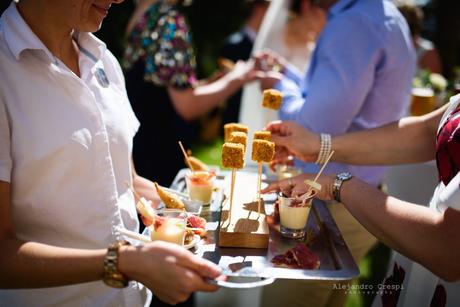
column 428, row 236
column 66, row 130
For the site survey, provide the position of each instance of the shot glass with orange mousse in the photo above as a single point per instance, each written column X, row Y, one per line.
column 200, row 185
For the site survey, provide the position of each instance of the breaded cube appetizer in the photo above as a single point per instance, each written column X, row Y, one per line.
column 239, row 138
column 263, row 135
column 263, row 151
column 272, row 99
column 197, row 164
column 232, row 155
column 229, row 128
column 170, row 200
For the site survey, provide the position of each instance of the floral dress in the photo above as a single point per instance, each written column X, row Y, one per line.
column 420, row 287
column 159, row 55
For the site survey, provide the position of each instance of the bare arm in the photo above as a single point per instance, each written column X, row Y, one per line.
column 422, row 234
column 192, row 102
column 144, row 187
column 408, row 140
column 169, row 270
column 29, row 264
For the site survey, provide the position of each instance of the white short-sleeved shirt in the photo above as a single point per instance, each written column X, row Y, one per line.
column 65, row 148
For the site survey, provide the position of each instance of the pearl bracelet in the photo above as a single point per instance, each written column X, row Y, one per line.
column 325, row 148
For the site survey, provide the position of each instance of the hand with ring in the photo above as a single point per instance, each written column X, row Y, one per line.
column 295, row 186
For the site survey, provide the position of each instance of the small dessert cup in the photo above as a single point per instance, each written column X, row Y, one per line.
column 294, row 215
column 169, row 226
column 200, row 185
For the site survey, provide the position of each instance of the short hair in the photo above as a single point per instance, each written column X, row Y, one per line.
column 414, row 17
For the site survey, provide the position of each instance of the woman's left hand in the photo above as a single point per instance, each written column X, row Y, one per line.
column 295, row 186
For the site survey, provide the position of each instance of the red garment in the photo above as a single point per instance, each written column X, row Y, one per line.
column 448, row 148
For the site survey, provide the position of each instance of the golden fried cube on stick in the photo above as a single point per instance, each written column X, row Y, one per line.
column 272, row 99
column 262, row 151
column 232, row 157
column 263, row 135
column 231, row 127
column 239, row 138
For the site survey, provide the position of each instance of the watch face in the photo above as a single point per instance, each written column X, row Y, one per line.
column 344, row 176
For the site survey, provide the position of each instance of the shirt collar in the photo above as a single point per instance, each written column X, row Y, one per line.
column 20, row 37
column 339, row 7
column 18, row 34
column 90, row 45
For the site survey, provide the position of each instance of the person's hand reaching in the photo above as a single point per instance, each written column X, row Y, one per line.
column 293, row 139
column 295, row 186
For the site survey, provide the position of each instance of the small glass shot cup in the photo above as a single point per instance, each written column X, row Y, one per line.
column 169, row 226
column 294, row 215
column 200, row 185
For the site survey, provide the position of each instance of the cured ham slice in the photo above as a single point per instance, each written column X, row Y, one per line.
column 298, row 257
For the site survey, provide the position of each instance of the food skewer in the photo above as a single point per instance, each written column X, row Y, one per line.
column 313, row 183
column 261, row 135
column 134, row 235
column 272, row 99
column 262, row 151
column 186, row 156
column 233, row 158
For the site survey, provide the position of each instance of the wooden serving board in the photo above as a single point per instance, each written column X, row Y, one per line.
column 247, row 228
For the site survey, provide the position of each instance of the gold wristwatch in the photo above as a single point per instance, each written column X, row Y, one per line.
column 112, row 276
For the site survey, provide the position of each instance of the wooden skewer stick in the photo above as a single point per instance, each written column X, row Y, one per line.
column 316, row 178
column 259, row 183
column 232, row 187
column 186, row 156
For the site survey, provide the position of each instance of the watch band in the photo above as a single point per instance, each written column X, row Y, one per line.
column 337, row 185
column 112, row 276
column 336, row 189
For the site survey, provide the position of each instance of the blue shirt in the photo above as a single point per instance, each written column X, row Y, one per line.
column 360, row 76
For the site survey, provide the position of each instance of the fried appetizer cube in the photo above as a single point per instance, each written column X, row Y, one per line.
column 239, row 138
column 263, row 135
column 232, row 155
column 197, row 164
column 229, row 128
column 170, row 200
column 272, row 99
column 263, row 151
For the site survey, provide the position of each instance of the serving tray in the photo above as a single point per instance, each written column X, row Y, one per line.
column 252, row 266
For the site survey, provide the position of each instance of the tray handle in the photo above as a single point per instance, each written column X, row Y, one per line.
column 264, row 281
